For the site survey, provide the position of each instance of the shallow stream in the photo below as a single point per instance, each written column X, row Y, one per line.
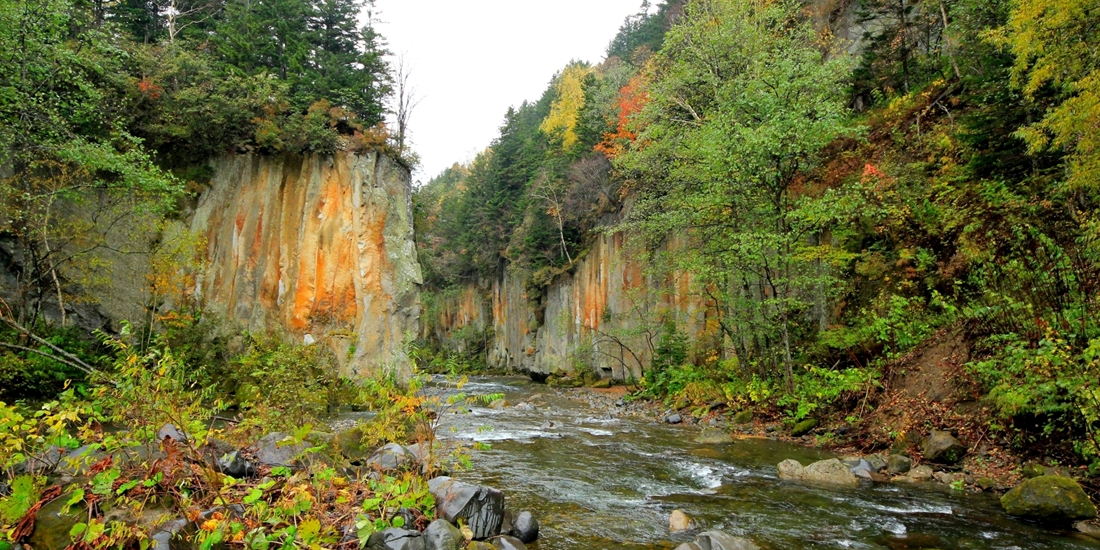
column 596, row 480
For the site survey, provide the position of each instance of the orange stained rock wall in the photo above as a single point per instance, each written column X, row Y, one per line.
column 594, row 316
column 320, row 247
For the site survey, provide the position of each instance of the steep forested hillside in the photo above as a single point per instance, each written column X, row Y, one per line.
column 845, row 211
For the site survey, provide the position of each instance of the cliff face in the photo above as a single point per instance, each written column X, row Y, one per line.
column 321, row 247
column 602, row 316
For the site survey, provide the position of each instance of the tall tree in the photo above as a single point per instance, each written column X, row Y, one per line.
column 742, row 100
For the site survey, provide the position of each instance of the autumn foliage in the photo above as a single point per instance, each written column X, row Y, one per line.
column 632, row 98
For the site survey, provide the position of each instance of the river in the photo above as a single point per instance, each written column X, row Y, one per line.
column 599, row 480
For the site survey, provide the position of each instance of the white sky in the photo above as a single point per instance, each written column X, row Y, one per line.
column 472, row 59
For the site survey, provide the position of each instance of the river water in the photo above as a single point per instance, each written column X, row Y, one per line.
column 596, row 480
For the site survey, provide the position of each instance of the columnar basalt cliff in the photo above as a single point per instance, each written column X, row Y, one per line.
column 603, row 315
column 318, row 246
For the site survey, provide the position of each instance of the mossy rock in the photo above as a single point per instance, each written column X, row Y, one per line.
column 1052, row 499
column 743, row 417
column 804, row 427
column 602, row 383
column 986, row 483
column 350, row 444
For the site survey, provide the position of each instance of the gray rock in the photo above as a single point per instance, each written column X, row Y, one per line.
column 898, row 464
column 80, row 461
column 171, row 431
column 273, row 450
column 674, row 419
column 920, row 473
column 442, row 535
column 947, row 478
column 389, row 457
column 508, row 543
column 1051, row 499
column 1089, row 528
column 942, row 447
column 830, row 471
column 482, row 508
column 394, row 538
column 718, row 540
column 233, row 464
column 164, row 535
column 804, row 427
column 877, row 462
column 863, row 469
column 42, row 462
column 525, row 527
column 712, row 436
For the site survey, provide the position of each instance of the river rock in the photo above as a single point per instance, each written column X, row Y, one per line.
column 442, row 535
column 506, row 542
column 51, row 527
column 718, row 540
column 823, row 471
column 898, row 464
column 273, row 450
column 525, row 527
column 743, row 417
column 170, row 431
column 233, row 464
column 164, row 535
column 863, row 469
column 44, row 461
column 1090, row 528
column 877, row 462
column 389, row 457
column 679, row 521
column 804, row 427
column 713, row 436
column 947, row 478
column 482, row 508
column 942, row 447
column 920, row 473
column 80, row 460
column 396, row 539
column 674, row 418
column 479, row 545
column 1049, row 498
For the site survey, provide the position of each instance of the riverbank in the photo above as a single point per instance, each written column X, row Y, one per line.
column 985, row 467
column 600, row 475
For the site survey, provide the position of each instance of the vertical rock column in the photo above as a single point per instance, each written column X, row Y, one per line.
column 319, row 247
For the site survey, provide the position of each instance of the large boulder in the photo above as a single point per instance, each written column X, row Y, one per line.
column 481, row 508
column 830, row 471
column 442, row 535
column 942, row 448
column 525, row 527
column 718, row 540
column 1055, row 499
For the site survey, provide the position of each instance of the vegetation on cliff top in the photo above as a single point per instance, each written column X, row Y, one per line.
column 839, row 211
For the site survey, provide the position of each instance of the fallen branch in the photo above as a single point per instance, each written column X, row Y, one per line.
column 71, row 359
